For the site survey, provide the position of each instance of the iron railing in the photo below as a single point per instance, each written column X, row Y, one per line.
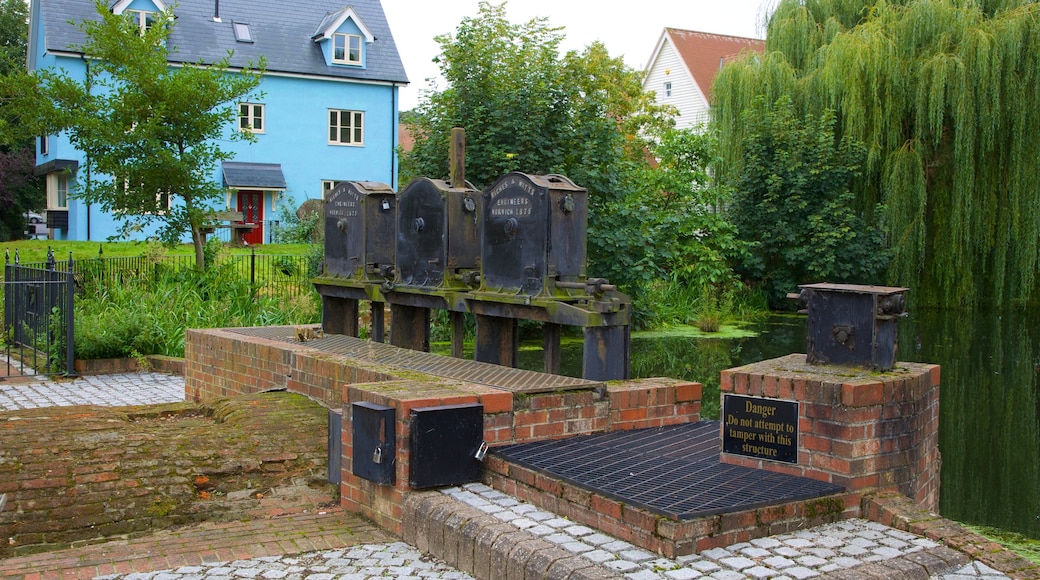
column 287, row 275
column 38, row 318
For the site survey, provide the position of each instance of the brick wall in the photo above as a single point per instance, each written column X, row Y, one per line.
column 219, row 363
column 508, row 418
column 656, row 533
column 857, row 428
column 85, row 473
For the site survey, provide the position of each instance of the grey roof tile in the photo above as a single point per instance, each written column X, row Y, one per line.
column 281, row 31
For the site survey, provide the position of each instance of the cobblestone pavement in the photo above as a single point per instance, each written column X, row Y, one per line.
column 798, row 555
column 396, row 560
column 107, row 390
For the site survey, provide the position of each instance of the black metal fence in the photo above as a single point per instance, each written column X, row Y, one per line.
column 284, row 275
column 38, row 318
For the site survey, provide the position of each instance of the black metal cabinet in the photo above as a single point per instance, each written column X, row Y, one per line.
column 359, row 220
column 446, row 442
column 534, row 233
column 853, row 324
column 374, row 449
column 438, row 233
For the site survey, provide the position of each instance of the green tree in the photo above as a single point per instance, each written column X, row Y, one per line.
column 20, row 190
column 793, row 204
column 527, row 108
column 944, row 96
column 150, row 132
column 14, row 17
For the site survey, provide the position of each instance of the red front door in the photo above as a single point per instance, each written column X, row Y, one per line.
column 251, row 204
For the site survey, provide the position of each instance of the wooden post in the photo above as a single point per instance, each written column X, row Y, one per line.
column 410, row 327
column 497, row 340
column 457, row 157
column 339, row 315
column 458, row 334
column 606, row 353
column 551, row 347
column 378, row 321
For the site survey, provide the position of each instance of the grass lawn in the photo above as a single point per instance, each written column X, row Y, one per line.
column 30, row 251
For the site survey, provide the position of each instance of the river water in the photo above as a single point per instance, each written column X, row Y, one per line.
column 989, row 430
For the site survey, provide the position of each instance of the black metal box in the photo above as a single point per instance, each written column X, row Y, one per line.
column 374, row 449
column 438, row 234
column 533, row 233
column 853, row 325
column 359, row 226
column 445, row 442
column 335, row 445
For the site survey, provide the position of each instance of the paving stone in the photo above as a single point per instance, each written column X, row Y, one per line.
column 599, row 556
column 682, row 574
column 801, row 572
column 623, row 566
column 754, row 552
column 637, row 556
column 717, row 553
column 737, row 562
column 778, row 562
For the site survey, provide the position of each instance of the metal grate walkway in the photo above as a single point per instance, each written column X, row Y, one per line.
column 671, row 471
column 487, row 374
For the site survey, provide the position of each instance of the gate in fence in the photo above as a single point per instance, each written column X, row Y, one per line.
column 38, row 318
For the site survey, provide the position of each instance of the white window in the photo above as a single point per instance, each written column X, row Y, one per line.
column 57, row 191
column 251, row 117
column 668, row 89
column 328, row 185
column 45, row 145
column 346, row 48
column 144, row 19
column 163, row 203
column 346, row 127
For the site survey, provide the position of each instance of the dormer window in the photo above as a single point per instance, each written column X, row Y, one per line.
column 346, row 48
column 343, row 38
column 144, row 19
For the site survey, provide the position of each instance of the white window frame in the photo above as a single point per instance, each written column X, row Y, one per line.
column 58, row 191
column 144, row 19
column 328, row 185
column 45, row 145
column 345, row 46
column 354, row 128
column 668, row 88
column 253, row 111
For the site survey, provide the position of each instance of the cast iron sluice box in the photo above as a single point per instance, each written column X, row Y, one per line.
column 491, row 375
column 671, row 471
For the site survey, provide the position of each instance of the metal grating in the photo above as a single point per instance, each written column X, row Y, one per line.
column 487, row 374
column 671, row 471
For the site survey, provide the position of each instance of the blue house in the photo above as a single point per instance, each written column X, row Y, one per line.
column 328, row 110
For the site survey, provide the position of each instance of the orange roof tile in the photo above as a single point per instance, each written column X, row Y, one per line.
column 704, row 52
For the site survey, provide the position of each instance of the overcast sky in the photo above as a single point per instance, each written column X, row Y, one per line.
column 628, row 29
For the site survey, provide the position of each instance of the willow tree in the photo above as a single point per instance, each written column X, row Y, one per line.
column 946, row 96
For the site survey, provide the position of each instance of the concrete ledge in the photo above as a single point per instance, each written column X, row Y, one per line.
column 486, row 547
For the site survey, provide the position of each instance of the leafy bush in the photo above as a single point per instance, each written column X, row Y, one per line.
column 794, row 207
column 148, row 315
